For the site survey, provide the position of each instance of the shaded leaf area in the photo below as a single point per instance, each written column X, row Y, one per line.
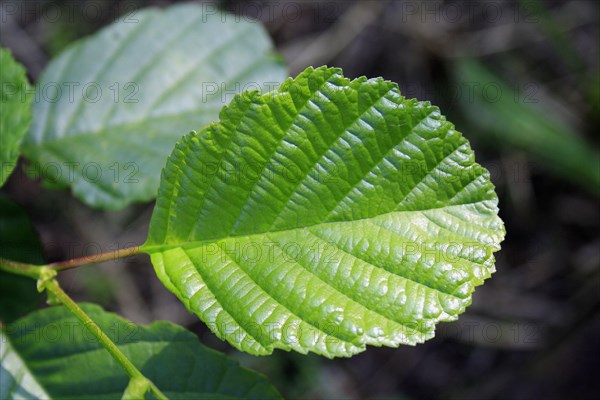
column 15, row 111
column 18, row 242
column 324, row 217
column 113, row 105
column 51, row 352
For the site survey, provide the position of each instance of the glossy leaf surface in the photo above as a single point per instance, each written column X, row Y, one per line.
column 324, row 217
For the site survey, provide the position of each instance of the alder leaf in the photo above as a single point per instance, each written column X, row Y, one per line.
column 111, row 107
column 326, row 216
column 50, row 354
column 15, row 112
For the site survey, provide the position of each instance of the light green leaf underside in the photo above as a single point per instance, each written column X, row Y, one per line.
column 16, row 380
column 51, row 352
column 323, row 217
column 18, row 242
column 15, row 112
column 182, row 64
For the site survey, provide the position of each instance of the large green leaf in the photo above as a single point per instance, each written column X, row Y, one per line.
column 15, row 112
column 52, row 351
column 19, row 242
column 161, row 73
column 323, row 217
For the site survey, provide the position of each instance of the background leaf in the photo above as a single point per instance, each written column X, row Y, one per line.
column 67, row 362
column 323, row 217
column 113, row 105
column 18, row 242
column 525, row 126
column 15, row 111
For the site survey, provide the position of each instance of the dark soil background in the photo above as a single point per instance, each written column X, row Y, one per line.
column 533, row 331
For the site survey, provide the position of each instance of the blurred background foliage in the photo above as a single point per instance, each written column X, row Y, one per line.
column 519, row 78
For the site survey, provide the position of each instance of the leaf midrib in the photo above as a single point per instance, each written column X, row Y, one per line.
column 159, row 247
